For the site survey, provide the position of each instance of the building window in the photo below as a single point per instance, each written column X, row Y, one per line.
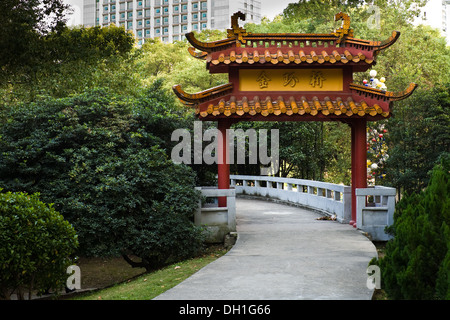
column 130, row 25
column 130, row 14
column 176, row 19
column 184, row 18
column 194, row 16
column 204, row 26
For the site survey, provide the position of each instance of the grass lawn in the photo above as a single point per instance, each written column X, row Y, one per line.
column 149, row 285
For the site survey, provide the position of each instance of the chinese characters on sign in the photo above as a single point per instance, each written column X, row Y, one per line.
column 317, row 79
column 263, row 80
column 290, row 79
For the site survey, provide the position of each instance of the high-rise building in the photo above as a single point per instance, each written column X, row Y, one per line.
column 168, row 20
column 436, row 13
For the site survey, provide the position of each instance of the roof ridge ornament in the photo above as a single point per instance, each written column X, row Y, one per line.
column 236, row 31
column 345, row 30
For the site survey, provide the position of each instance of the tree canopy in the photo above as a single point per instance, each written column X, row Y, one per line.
column 23, row 26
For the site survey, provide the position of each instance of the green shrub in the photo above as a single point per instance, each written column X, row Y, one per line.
column 102, row 160
column 416, row 265
column 36, row 245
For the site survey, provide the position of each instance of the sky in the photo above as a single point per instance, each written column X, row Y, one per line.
column 270, row 8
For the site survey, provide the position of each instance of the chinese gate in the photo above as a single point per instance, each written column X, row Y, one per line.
column 292, row 77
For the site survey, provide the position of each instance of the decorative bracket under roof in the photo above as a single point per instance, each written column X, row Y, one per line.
column 344, row 30
column 236, row 31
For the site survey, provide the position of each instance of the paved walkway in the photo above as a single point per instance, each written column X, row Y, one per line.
column 283, row 253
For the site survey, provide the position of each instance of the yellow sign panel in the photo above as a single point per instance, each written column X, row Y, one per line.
column 290, row 80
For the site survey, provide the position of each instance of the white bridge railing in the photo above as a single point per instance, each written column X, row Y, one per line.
column 329, row 198
column 218, row 221
column 375, row 210
column 374, row 206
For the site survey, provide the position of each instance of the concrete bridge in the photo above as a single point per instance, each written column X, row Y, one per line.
column 374, row 206
column 283, row 253
column 284, row 248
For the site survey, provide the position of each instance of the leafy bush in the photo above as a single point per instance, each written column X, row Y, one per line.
column 101, row 158
column 421, row 123
column 36, row 245
column 417, row 261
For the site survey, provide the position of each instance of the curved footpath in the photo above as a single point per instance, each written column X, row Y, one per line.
column 284, row 253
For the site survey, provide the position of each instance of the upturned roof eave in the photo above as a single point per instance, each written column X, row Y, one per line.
column 220, row 45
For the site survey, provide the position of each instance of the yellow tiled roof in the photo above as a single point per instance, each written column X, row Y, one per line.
column 302, row 106
column 288, row 56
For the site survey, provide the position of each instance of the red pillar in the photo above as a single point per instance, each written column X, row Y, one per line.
column 223, row 165
column 359, row 161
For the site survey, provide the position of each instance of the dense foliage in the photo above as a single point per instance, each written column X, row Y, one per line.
column 420, row 135
column 417, row 261
column 101, row 159
column 36, row 245
column 67, row 61
column 23, row 26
